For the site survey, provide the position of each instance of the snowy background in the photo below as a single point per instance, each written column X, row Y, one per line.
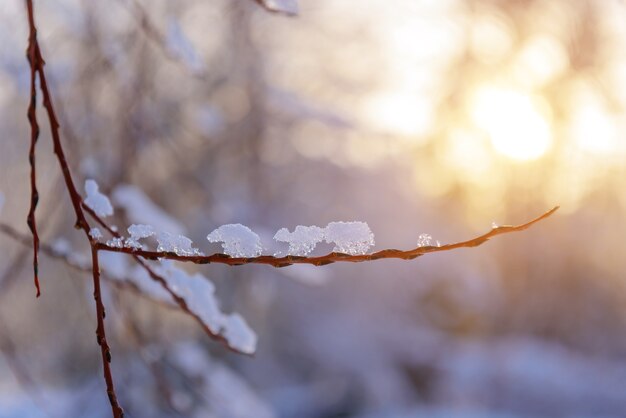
column 438, row 117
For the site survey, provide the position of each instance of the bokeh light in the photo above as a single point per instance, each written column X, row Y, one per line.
column 517, row 124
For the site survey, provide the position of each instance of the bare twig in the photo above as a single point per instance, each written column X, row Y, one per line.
column 101, row 335
column 32, row 55
column 36, row 66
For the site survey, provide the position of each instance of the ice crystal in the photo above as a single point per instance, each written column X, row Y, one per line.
column 137, row 232
column 237, row 240
column 116, row 242
column 352, row 238
column 95, row 233
column 177, row 244
column 424, row 240
column 302, row 240
column 98, row 202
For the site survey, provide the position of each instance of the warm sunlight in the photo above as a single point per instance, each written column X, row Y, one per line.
column 593, row 130
column 406, row 115
column 516, row 123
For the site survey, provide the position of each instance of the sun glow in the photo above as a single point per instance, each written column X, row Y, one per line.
column 400, row 114
column 517, row 123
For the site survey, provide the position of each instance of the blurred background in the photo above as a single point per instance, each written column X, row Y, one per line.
column 437, row 116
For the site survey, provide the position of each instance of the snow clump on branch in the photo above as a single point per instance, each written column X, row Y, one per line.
column 302, row 240
column 137, row 232
column 237, row 240
column 177, row 244
column 199, row 294
column 354, row 238
column 97, row 201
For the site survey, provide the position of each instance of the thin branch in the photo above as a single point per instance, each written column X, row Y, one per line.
column 328, row 258
column 101, row 336
column 36, row 64
column 32, row 56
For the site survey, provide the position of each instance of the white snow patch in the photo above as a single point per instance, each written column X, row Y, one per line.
column 142, row 210
column 238, row 333
column 115, row 242
column 114, row 265
column 63, row 247
column 199, row 293
column 178, row 244
column 302, row 240
column 98, row 202
column 1, row 201
column 238, row 240
column 354, row 238
column 148, row 285
column 137, row 232
column 227, row 393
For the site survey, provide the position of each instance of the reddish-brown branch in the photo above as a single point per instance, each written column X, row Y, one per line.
column 118, row 412
column 182, row 304
column 31, row 54
column 328, row 258
column 37, row 66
